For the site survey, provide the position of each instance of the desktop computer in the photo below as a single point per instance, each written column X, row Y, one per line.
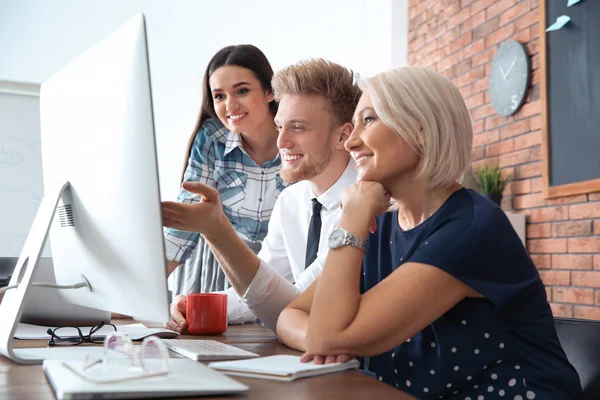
column 101, row 207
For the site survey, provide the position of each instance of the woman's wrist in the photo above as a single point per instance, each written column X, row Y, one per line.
column 356, row 223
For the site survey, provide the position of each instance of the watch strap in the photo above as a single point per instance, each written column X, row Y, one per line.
column 353, row 240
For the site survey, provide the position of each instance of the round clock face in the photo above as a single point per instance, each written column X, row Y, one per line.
column 509, row 77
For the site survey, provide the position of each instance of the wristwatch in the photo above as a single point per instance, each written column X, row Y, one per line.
column 341, row 237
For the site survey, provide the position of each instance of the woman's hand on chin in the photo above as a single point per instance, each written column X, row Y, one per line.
column 363, row 201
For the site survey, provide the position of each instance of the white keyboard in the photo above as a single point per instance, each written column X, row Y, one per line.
column 207, row 350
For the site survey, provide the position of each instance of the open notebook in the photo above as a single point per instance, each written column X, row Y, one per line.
column 281, row 368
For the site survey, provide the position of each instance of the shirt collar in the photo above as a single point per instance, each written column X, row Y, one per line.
column 233, row 141
column 332, row 197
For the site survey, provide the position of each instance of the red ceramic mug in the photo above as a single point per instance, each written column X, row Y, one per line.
column 206, row 313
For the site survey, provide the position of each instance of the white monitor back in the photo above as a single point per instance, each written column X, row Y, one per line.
column 45, row 306
column 97, row 133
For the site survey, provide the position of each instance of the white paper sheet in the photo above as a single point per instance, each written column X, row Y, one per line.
column 559, row 23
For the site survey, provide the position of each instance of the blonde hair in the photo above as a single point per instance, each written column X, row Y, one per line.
column 317, row 76
column 429, row 113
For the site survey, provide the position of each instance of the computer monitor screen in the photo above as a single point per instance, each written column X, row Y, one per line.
column 97, row 134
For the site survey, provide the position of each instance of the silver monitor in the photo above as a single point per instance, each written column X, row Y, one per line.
column 46, row 307
column 101, row 178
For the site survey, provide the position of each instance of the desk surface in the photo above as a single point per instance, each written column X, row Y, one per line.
column 29, row 381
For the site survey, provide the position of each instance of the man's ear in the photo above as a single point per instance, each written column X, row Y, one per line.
column 345, row 131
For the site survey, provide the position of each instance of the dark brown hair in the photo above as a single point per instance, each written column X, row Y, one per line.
column 245, row 56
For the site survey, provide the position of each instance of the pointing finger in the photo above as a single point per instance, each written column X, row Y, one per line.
column 209, row 193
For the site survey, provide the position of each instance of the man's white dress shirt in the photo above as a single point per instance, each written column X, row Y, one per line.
column 281, row 275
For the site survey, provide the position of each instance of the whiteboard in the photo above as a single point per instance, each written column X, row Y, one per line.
column 21, row 181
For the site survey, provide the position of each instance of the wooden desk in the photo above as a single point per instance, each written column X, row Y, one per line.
column 29, row 382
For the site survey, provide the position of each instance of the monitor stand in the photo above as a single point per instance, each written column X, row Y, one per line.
column 13, row 301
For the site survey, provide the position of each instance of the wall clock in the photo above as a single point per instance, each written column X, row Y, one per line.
column 509, row 78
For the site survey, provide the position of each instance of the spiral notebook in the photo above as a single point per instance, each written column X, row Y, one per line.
column 281, row 368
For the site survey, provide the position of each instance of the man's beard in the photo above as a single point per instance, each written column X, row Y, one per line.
column 307, row 169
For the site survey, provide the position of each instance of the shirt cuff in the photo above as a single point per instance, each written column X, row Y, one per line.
column 178, row 248
column 237, row 312
column 261, row 286
column 268, row 294
column 172, row 252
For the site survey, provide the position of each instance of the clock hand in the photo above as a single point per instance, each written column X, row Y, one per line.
column 502, row 72
column 510, row 69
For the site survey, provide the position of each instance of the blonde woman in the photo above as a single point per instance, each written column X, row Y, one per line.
column 441, row 294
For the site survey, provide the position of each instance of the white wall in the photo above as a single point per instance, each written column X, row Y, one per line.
column 38, row 37
column 399, row 33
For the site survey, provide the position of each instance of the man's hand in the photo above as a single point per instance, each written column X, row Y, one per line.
column 308, row 357
column 177, row 321
column 204, row 217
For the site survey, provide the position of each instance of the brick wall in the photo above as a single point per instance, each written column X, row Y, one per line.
column 459, row 38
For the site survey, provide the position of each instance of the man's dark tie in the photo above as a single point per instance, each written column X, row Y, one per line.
column 314, row 233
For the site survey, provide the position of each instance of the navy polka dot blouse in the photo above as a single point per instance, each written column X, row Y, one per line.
column 503, row 346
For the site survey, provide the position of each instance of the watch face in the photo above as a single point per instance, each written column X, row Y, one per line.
column 509, row 77
column 336, row 239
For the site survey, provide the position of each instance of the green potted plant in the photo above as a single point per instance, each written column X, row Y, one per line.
column 491, row 182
